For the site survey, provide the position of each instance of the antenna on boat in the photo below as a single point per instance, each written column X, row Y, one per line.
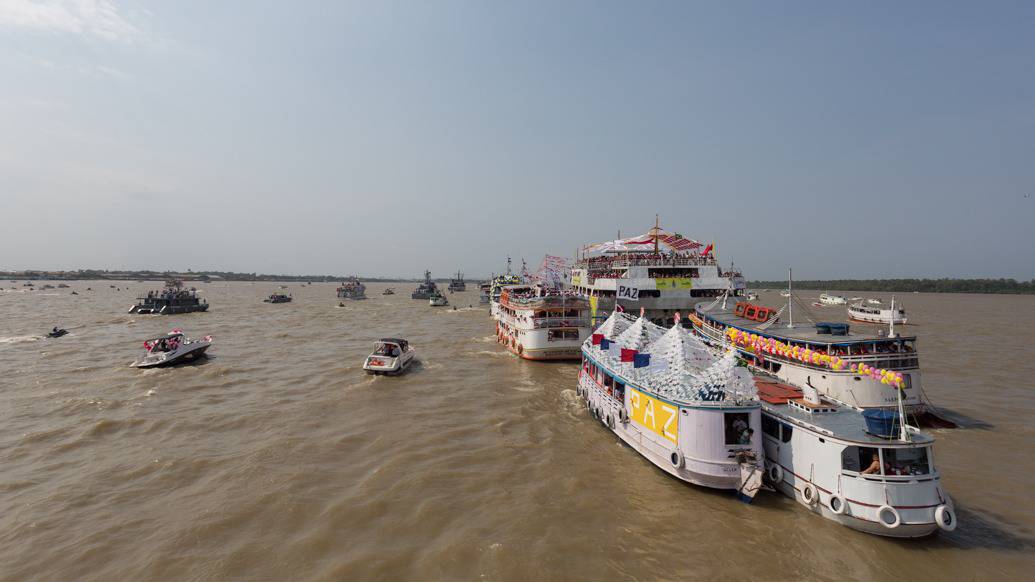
column 891, row 327
column 790, row 299
column 657, row 228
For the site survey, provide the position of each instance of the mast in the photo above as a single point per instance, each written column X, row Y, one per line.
column 891, row 328
column 657, row 227
column 901, row 416
column 790, row 299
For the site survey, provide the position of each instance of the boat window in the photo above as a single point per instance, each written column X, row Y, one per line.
column 619, row 391
column 788, row 430
column 906, row 461
column 858, row 459
column 738, row 429
column 608, row 381
column 770, row 426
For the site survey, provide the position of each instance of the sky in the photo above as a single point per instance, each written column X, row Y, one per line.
column 847, row 140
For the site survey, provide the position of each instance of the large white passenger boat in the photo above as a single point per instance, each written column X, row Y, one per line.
column 540, row 323
column 827, row 299
column 877, row 313
column 660, row 272
column 874, row 475
column 862, row 370
column 695, row 416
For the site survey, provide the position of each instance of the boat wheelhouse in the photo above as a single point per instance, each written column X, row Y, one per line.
column 426, row 289
column 832, row 460
column 661, row 272
column 172, row 300
column 457, row 284
column 352, row 288
column 858, row 369
column 497, row 284
column 537, row 322
column 879, row 314
column 665, row 394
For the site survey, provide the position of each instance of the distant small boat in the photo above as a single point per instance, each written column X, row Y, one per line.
column 277, row 298
column 785, row 293
column 752, row 296
column 57, row 332
column 874, row 301
column 438, row 301
column 388, row 291
column 827, row 299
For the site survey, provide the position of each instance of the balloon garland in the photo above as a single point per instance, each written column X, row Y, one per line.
column 767, row 345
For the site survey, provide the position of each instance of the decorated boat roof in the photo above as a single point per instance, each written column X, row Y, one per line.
column 672, row 241
column 670, row 362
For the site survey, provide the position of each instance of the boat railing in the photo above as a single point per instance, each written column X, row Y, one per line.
column 548, row 322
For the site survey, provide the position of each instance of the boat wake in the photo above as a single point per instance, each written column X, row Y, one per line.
column 18, row 339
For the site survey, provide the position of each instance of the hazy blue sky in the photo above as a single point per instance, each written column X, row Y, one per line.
column 870, row 139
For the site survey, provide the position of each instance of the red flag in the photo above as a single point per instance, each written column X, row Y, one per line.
column 619, row 308
column 708, row 249
column 628, row 355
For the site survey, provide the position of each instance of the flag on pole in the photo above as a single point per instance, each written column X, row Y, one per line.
column 708, row 249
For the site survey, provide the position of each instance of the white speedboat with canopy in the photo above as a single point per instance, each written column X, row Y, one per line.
column 662, row 391
column 172, row 348
column 390, row 356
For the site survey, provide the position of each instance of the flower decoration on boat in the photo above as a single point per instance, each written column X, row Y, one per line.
column 766, row 345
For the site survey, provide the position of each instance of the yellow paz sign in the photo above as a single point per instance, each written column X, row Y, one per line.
column 674, row 283
column 655, row 415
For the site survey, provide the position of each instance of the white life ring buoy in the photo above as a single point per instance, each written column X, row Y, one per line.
column 836, row 503
column 775, row 474
column 676, row 458
column 887, row 510
column 809, row 494
column 623, row 416
column 945, row 517
column 610, row 422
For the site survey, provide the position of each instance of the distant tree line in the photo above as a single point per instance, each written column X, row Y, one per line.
column 189, row 275
column 1010, row 286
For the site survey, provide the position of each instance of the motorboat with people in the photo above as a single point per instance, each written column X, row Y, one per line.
column 539, row 322
column 785, row 294
column 457, row 284
column 660, row 271
column 57, row 332
column 426, row 288
column 752, row 296
column 388, row 291
column 666, row 395
column 171, row 300
column 277, row 298
column 866, row 470
column 828, row 299
column 438, row 300
column 172, row 348
column 391, row 356
column 353, row 289
column 877, row 313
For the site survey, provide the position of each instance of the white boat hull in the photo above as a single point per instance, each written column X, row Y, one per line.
column 388, row 366
column 186, row 352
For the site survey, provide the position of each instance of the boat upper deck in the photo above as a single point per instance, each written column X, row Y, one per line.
column 840, row 422
column 803, row 331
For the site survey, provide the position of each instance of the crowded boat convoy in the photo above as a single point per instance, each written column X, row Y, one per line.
column 708, row 384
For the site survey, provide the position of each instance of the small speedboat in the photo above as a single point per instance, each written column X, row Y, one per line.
column 390, row 356
column 752, row 296
column 277, row 298
column 57, row 332
column 438, row 301
column 74, row 293
column 172, row 348
column 388, row 291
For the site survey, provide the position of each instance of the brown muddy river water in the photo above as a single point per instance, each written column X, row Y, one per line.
column 277, row 458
